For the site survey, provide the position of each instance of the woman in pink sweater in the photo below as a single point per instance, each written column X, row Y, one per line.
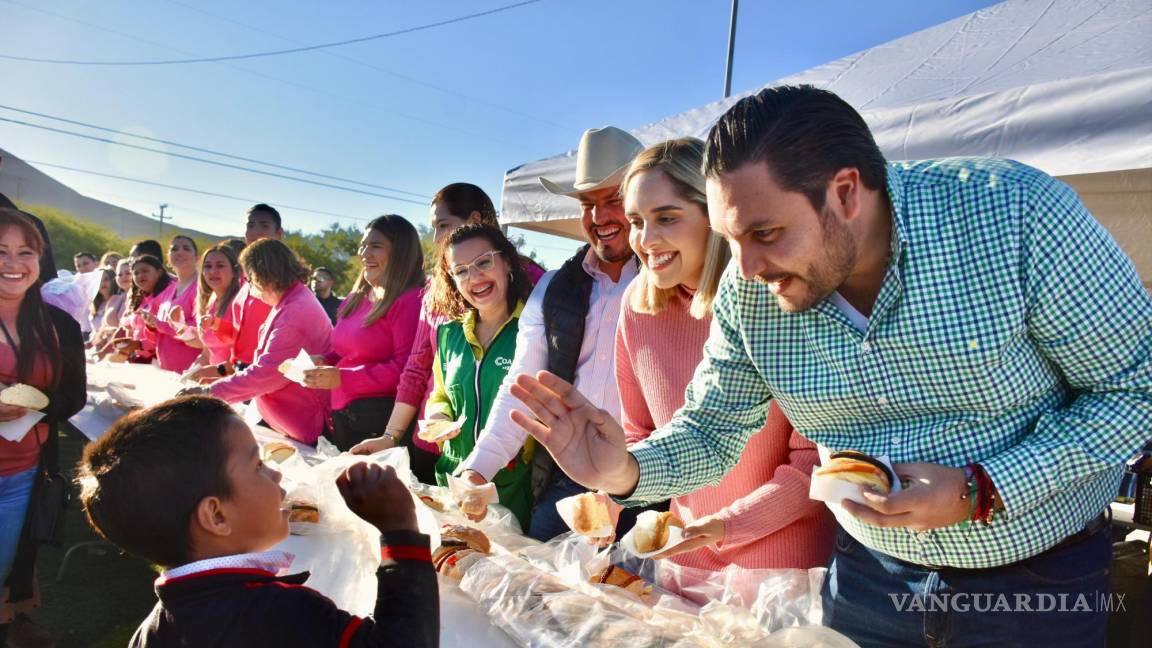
column 177, row 346
column 454, row 206
column 297, row 321
column 374, row 330
column 219, row 283
column 149, row 283
column 760, row 515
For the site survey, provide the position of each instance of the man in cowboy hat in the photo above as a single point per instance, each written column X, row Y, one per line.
column 568, row 325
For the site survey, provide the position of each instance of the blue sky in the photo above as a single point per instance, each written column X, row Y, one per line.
column 461, row 102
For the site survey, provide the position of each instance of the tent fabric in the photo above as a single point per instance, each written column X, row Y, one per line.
column 1063, row 85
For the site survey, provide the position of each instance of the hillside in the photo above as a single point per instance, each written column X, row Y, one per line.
column 24, row 183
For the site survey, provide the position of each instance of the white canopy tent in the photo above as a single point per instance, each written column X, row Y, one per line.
column 1063, row 85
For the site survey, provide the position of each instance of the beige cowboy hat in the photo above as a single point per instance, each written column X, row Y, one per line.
column 601, row 160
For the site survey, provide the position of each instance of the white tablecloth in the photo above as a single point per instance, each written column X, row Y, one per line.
column 462, row 623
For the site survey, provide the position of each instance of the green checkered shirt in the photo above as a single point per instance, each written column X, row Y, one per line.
column 1010, row 330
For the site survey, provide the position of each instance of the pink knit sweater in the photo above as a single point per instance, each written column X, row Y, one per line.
column 769, row 520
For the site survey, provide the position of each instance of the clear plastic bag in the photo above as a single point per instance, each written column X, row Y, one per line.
column 542, row 596
column 342, row 551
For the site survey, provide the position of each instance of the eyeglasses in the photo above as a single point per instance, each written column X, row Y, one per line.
column 482, row 264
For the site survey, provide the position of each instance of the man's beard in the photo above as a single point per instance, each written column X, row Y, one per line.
column 824, row 276
column 606, row 255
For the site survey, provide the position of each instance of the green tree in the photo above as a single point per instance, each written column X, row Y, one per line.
column 70, row 235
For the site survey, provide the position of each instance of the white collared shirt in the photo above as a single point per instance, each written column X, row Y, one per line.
column 273, row 562
column 595, row 367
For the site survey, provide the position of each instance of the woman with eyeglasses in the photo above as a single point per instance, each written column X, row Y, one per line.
column 481, row 283
column 454, row 206
column 374, row 331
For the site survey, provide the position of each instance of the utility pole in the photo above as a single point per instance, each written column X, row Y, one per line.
column 731, row 50
column 161, row 217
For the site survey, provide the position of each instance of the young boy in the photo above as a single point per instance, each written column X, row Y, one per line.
column 182, row 484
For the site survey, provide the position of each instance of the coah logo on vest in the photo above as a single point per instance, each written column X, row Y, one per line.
column 503, row 362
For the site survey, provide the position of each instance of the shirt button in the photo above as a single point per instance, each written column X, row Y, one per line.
column 866, row 346
column 882, row 401
column 922, row 536
column 896, row 440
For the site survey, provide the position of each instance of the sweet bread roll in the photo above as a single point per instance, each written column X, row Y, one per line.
column 446, row 550
column 651, row 530
column 474, row 504
column 176, row 315
column 858, row 468
column 303, row 512
column 285, row 367
column 474, row 538
column 26, row 396
column 622, row 578
column 589, row 514
column 278, row 451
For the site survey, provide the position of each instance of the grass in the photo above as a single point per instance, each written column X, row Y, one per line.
column 105, row 594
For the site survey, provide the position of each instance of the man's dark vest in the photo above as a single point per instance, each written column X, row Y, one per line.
column 565, row 308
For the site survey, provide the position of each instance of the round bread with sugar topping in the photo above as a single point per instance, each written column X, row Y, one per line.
column 26, row 396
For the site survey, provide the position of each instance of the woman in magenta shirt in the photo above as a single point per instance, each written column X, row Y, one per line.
column 375, row 327
column 296, row 321
column 149, row 282
column 177, row 346
column 454, row 206
column 219, row 282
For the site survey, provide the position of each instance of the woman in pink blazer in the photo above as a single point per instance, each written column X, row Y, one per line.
column 177, row 346
column 297, row 321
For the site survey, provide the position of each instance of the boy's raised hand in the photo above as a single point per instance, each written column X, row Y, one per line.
column 378, row 496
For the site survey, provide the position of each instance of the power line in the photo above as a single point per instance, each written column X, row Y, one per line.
column 210, row 151
column 378, row 68
column 212, row 162
column 213, row 194
column 294, row 50
column 295, row 84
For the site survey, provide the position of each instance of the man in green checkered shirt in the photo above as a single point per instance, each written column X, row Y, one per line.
column 967, row 318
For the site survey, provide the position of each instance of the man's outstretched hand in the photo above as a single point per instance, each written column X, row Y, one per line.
column 586, row 443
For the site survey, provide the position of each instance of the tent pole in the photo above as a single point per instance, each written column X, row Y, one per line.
column 731, row 50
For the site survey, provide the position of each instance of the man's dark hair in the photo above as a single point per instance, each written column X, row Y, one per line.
column 331, row 277
column 806, row 135
column 149, row 247
column 237, row 245
column 80, row 255
column 141, row 482
column 261, row 208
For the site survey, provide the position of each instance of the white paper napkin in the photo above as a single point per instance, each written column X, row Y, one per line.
column 301, row 363
column 446, row 428
column 15, row 430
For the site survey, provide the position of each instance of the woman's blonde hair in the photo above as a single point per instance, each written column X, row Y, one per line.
column 680, row 160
